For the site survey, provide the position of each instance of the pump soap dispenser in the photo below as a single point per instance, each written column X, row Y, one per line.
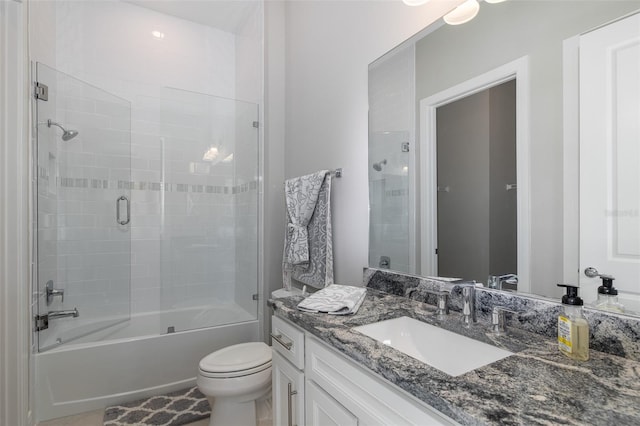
column 573, row 328
column 608, row 296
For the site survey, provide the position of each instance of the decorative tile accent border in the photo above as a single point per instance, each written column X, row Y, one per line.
column 396, row 193
column 86, row 183
column 610, row 333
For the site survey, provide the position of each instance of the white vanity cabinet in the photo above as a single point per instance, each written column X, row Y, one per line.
column 287, row 368
column 337, row 391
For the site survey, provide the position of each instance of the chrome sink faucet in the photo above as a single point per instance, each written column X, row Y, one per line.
column 497, row 281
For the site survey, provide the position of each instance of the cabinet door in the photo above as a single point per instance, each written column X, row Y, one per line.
column 322, row 410
column 288, row 392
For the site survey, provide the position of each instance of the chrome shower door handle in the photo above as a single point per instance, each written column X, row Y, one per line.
column 128, row 219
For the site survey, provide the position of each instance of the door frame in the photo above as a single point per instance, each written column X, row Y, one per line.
column 518, row 70
column 15, row 189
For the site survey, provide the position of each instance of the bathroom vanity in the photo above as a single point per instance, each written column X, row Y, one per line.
column 325, row 372
column 313, row 384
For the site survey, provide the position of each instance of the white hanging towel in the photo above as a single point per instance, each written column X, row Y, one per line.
column 308, row 246
column 335, row 300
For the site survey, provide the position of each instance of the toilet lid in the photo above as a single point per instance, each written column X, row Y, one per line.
column 236, row 358
column 234, row 374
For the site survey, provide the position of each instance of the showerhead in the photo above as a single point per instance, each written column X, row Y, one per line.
column 67, row 134
column 378, row 166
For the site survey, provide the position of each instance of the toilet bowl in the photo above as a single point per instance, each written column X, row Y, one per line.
column 233, row 379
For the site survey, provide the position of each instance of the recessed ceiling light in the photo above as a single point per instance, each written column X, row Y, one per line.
column 157, row 34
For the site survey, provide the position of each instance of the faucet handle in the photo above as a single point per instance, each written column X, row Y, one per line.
column 498, row 326
column 468, row 305
column 53, row 292
column 442, row 305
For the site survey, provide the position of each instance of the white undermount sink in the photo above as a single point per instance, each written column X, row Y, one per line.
column 448, row 352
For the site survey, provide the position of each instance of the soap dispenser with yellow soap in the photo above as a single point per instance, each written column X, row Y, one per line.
column 573, row 328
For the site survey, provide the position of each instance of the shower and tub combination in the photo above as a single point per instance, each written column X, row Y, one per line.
column 146, row 201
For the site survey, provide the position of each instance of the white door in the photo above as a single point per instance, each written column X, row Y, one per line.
column 609, row 157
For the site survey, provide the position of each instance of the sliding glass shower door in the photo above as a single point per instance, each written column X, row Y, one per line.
column 83, row 173
column 209, row 215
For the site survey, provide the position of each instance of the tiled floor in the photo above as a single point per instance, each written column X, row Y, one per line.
column 94, row 418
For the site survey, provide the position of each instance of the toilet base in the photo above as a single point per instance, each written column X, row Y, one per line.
column 256, row 412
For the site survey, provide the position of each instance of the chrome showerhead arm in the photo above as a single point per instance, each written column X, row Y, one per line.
column 67, row 134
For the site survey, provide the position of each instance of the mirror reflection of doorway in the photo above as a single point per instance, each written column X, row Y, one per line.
column 476, row 185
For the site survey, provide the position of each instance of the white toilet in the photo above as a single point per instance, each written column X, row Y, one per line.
column 233, row 379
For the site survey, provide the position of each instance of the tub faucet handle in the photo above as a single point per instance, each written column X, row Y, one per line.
column 53, row 292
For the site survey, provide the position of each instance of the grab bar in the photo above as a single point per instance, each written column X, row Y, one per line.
column 123, row 222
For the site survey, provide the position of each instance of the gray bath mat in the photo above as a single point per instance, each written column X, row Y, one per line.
column 173, row 409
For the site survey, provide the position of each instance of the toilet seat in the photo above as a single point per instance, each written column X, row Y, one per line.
column 238, row 360
column 232, row 374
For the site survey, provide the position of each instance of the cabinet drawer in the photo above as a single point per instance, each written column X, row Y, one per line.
column 371, row 399
column 288, row 341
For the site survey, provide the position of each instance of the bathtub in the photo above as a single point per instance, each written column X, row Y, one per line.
column 134, row 360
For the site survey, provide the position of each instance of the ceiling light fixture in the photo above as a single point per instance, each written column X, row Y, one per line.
column 157, row 34
column 211, row 154
column 415, row 2
column 463, row 13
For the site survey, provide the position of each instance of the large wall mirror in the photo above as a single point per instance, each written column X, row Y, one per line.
column 509, row 147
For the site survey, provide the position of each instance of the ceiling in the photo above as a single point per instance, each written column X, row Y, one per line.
column 226, row 15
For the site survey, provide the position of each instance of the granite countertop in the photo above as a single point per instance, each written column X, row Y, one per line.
column 536, row 386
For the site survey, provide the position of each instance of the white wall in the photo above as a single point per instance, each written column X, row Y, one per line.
column 328, row 47
column 274, row 134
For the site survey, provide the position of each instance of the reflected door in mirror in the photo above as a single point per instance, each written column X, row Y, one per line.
column 609, row 157
column 476, row 178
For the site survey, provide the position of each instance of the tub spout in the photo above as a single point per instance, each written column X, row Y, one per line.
column 63, row 314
